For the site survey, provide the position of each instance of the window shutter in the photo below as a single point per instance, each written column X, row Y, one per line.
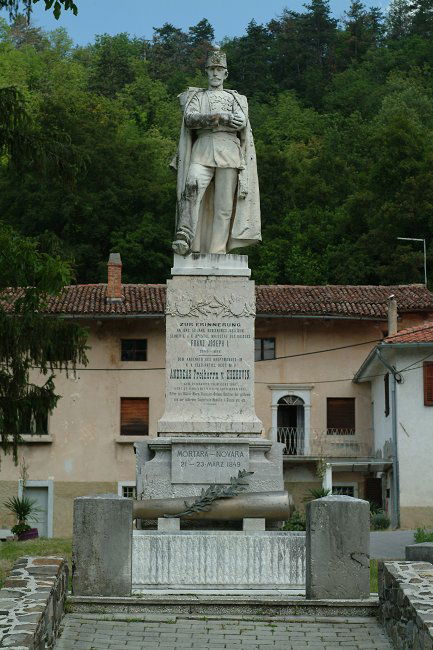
column 386, row 383
column 428, row 383
column 341, row 415
column 134, row 416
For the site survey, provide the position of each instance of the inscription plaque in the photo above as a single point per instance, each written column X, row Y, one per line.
column 210, row 356
column 207, row 463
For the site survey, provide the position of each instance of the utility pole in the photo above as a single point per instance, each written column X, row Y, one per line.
column 425, row 254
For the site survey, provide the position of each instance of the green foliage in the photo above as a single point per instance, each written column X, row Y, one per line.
column 29, row 339
column 316, row 493
column 374, row 580
column 204, row 502
column 423, row 535
column 23, row 508
column 343, row 123
column 16, row 6
column 18, row 529
column 296, row 521
column 379, row 520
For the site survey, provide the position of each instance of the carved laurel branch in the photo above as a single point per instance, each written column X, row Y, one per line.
column 187, row 306
column 204, row 502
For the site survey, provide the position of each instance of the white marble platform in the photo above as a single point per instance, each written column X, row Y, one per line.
column 211, row 264
column 218, row 560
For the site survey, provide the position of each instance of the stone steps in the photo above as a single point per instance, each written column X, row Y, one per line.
column 235, row 603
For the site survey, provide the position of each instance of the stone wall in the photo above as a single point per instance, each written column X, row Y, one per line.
column 406, row 603
column 32, row 603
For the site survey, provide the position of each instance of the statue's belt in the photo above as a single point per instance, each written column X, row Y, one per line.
column 229, row 135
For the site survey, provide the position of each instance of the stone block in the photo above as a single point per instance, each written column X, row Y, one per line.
column 254, row 524
column 155, row 464
column 168, row 524
column 420, row 552
column 337, row 548
column 209, row 356
column 101, row 547
column 195, row 559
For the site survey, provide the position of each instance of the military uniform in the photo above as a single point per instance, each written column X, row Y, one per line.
column 209, row 189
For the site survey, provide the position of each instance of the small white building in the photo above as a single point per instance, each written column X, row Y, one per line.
column 400, row 370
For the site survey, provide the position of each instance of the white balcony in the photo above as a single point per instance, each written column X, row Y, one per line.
column 323, row 443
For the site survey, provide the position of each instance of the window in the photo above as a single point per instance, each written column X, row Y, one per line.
column 264, row 349
column 346, row 490
column 134, row 350
column 386, row 383
column 340, row 415
column 29, row 424
column 134, row 416
column 128, row 491
column 428, row 383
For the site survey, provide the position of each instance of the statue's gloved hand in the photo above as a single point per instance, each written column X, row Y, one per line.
column 237, row 121
column 233, row 120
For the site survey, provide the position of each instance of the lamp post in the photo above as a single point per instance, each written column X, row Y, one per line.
column 425, row 254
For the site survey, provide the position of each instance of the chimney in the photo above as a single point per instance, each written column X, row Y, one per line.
column 392, row 316
column 114, row 284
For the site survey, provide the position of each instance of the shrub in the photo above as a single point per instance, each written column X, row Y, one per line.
column 20, row 528
column 379, row 520
column 23, row 508
column 423, row 535
column 316, row 493
column 296, row 521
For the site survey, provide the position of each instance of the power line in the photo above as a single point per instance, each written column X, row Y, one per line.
column 380, row 374
column 285, row 356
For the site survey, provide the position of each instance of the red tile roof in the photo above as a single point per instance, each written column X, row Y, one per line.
column 341, row 301
column 418, row 334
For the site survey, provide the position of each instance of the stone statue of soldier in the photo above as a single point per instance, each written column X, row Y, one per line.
column 218, row 205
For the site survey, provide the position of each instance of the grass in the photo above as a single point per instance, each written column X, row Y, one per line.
column 373, row 576
column 11, row 551
column 423, row 535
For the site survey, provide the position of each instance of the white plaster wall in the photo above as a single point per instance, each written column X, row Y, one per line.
column 382, row 425
column 415, row 433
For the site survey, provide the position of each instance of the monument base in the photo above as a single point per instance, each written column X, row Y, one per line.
column 218, row 560
column 182, row 466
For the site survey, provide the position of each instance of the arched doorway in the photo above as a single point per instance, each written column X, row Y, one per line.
column 290, row 424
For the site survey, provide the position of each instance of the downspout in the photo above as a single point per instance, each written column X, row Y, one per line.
column 396, row 378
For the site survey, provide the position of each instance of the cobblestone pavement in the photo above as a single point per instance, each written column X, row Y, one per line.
column 93, row 632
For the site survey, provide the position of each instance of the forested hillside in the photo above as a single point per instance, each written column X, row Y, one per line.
column 342, row 114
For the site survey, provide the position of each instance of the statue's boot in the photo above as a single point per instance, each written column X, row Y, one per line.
column 180, row 247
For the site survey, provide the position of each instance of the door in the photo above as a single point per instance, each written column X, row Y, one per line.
column 290, row 424
column 40, row 520
column 373, row 491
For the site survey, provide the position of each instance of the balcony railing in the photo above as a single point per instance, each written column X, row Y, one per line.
column 338, row 443
column 293, row 439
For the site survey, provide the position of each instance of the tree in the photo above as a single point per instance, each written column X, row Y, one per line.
column 114, row 62
column 15, row 7
column 32, row 345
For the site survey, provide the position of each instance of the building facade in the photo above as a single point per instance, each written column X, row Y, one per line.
column 399, row 371
column 310, row 341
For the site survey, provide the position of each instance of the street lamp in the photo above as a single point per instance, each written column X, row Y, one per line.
column 425, row 254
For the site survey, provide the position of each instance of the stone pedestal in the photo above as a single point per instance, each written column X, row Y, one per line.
column 182, row 466
column 102, row 546
column 209, row 430
column 337, row 548
column 210, row 348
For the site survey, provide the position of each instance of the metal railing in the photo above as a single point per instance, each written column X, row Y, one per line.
column 339, row 443
column 294, row 440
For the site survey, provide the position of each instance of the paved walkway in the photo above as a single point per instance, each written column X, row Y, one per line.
column 93, row 632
